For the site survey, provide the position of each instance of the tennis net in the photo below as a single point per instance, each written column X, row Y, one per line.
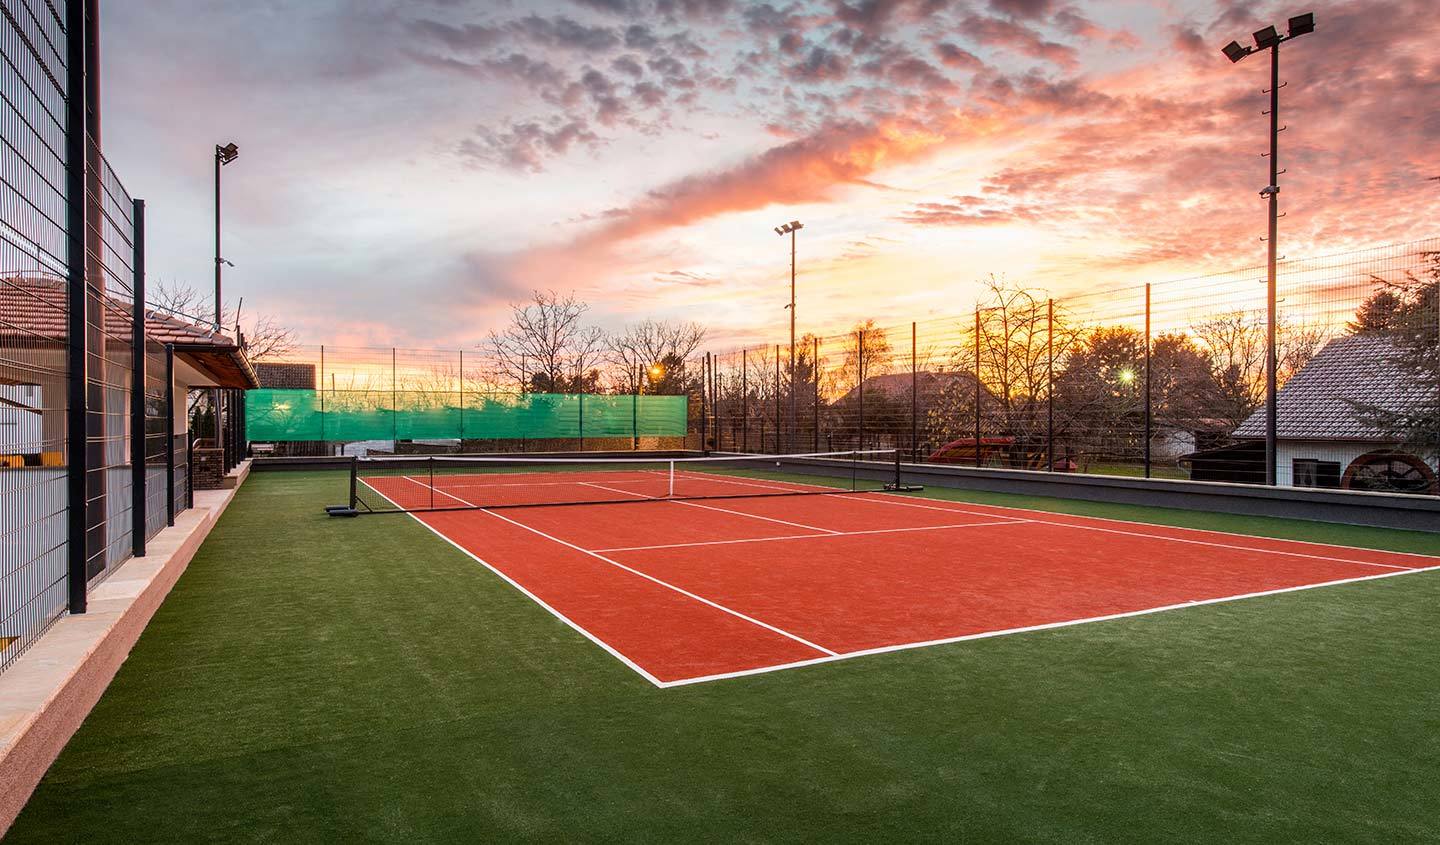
column 442, row 483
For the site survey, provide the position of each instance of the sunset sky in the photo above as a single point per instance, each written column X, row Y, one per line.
column 408, row 168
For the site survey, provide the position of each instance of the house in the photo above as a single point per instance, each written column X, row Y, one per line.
column 1321, row 441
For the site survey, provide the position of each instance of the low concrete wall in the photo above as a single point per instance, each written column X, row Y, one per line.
column 1383, row 510
column 48, row 692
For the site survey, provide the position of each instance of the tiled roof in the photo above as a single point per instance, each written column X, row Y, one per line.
column 37, row 306
column 1313, row 404
column 34, row 309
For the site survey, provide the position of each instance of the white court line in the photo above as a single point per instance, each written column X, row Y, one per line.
column 983, row 635
column 609, row 649
column 1231, row 546
column 795, row 486
column 810, row 536
column 648, row 577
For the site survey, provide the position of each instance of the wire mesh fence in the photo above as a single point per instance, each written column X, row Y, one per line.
column 84, row 475
column 1160, row 380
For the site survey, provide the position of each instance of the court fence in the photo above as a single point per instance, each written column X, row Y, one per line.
column 1162, row 380
column 91, row 466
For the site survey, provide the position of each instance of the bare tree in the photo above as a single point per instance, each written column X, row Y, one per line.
column 547, row 346
column 265, row 338
column 1235, row 342
column 650, row 356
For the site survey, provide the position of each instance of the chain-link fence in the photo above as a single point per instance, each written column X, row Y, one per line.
column 1162, row 380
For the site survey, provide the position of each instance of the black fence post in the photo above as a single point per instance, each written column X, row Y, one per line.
column 395, row 405
column 778, row 427
column 169, row 434
column 1148, row 410
column 581, row 415
column 860, row 382
column 77, row 324
column 744, row 401
column 704, row 411
column 321, row 385
column 815, row 370
column 977, row 387
column 461, row 380
column 1050, row 385
column 914, row 399
column 189, row 469
column 137, row 386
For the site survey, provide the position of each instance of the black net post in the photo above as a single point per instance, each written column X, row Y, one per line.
column 1148, row 410
column 354, row 482
column 430, row 467
column 137, row 386
column 1050, row 385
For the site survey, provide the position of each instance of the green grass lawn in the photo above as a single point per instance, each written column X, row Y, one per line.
column 315, row 679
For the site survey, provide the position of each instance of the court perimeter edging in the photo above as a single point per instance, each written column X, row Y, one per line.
column 51, row 688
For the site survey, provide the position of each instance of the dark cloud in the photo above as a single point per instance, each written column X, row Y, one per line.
column 821, row 65
column 952, row 56
column 565, row 33
column 1008, row 34
column 1022, row 8
column 525, row 146
column 628, row 66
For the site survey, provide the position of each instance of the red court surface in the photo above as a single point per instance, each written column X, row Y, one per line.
column 687, row 591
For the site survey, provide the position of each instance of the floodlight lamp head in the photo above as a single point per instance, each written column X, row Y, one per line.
column 1234, row 52
column 796, row 224
column 227, row 153
column 1269, row 191
column 779, row 231
column 1302, row 24
column 1266, row 38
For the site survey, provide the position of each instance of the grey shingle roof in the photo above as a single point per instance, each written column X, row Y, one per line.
column 1313, row 404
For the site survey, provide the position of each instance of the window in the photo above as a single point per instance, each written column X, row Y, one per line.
column 1313, row 473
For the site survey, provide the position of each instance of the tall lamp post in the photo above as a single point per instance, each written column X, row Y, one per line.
column 782, row 230
column 1269, row 39
column 223, row 156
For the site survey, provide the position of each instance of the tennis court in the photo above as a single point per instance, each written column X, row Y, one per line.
column 705, row 570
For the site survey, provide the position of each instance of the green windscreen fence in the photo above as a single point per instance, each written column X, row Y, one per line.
column 291, row 415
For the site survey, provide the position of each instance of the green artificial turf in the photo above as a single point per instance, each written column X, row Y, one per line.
column 315, row 679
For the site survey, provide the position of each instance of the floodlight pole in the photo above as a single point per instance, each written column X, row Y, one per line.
column 792, row 335
column 1271, row 363
column 1269, row 39
column 223, row 156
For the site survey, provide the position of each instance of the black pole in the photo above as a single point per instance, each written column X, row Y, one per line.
column 1050, row 385
column 394, row 403
column 744, row 401
column 704, row 422
column 860, row 375
column 1273, row 191
column 138, row 481
column 218, row 259
column 778, row 426
column 794, row 421
column 321, row 385
column 354, row 486
column 77, row 324
column 977, row 387
column 169, row 434
column 635, row 415
column 815, row 373
column 914, row 403
column 581, row 414
column 189, row 469
column 1148, row 411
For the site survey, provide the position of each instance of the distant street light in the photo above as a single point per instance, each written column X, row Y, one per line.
column 1270, row 39
column 657, row 371
column 223, row 155
column 782, row 230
